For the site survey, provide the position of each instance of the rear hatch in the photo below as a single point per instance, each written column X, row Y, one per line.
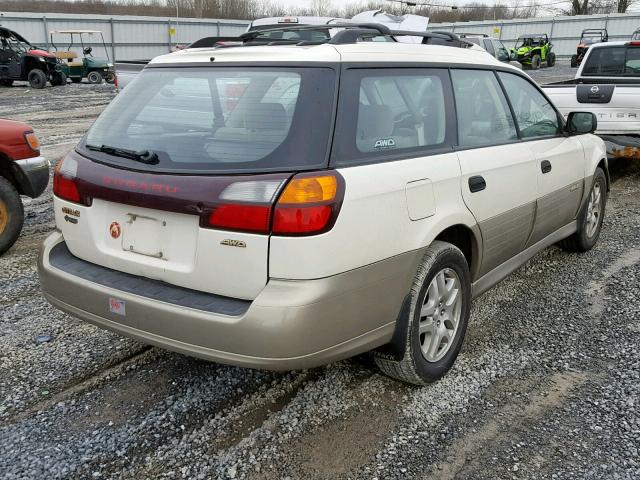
column 178, row 178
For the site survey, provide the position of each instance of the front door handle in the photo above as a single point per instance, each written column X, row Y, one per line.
column 477, row 184
column 545, row 166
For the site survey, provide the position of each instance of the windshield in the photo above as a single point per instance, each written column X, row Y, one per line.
column 220, row 119
column 12, row 43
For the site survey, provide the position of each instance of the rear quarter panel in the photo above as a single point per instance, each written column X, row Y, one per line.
column 375, row 219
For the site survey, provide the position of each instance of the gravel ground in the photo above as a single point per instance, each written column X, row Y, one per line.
column 547, row 384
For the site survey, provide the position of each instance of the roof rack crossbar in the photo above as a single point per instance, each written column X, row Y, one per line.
column 349, row 33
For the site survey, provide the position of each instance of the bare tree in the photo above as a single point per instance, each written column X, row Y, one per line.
column 321, row 8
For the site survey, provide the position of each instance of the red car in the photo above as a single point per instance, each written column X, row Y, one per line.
column 23, row 171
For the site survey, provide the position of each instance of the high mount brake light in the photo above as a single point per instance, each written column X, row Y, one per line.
column 64, row 181
column 308, row 205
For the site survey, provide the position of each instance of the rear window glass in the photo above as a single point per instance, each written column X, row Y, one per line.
column 220, row 119
column 613, row 61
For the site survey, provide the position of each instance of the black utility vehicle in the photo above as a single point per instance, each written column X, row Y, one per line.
column 19, row 60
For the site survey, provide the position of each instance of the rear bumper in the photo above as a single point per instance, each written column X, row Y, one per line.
column 32, row 175
column 292, row 324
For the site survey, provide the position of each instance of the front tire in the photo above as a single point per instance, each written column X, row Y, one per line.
column 94, row 78
column 59, row 79
column 536, row 62
column 590, row 218
column 6, row 83
column 438, row 317
column 37, row 79
column 110, row 78
column 551, row 59
column 11, row 215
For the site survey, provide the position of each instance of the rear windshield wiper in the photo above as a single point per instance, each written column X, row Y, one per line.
column 144, row 156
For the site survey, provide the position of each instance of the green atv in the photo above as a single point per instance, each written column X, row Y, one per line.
column 77, row 67
column 533, row 49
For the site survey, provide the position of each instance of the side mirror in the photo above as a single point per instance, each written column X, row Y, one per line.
column 581, row 122
column 503, row 55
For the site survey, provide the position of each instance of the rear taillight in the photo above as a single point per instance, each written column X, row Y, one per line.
column 634, row 44
column 245, row 206
column 309, row 204
column 64, row 181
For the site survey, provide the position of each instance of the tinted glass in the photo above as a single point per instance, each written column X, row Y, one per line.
column 605, row 61
column 632, row 64
column 221, row 119
column 536, row 117
column 489, row 46
column 399, row 112
column 483, row 113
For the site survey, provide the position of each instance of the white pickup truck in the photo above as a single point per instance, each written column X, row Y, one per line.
column 608, row 85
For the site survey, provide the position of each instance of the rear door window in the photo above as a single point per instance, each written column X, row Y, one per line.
column 392, row 112
column 221, row 119
column 484, row 117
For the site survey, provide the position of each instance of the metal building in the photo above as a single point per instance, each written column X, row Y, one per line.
column 127, row 37
column 563, row 31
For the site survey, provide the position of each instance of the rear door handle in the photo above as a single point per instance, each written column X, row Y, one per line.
column 545, row 166
column 477, row 184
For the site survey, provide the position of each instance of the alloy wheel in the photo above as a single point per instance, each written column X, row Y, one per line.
column 440, row 315
column 594, row 210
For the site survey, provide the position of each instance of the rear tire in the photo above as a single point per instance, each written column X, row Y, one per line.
column 438, row 316
column 574, row 61
column 94, row 78
column 6, row 83
column 590, row 218
column 536, row 62
column 11, row 215
column 37, row 79
column 59, row 79
column 551, row 59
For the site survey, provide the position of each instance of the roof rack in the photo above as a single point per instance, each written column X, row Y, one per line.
column 349, row 33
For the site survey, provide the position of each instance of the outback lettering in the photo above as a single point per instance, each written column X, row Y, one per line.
column 145, row 187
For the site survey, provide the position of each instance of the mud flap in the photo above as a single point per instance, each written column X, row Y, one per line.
column 395, row 349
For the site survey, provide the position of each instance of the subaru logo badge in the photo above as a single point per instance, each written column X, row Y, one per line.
column 595, row 89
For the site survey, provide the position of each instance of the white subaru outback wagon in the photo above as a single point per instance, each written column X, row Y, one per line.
column 290, row 204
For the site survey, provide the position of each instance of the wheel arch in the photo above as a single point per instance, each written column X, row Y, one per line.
column 468, row 240
column 604, row 165
column 6, row 171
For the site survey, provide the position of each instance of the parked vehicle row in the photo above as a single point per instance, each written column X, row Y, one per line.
column 21, row 61
column 189, row 219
